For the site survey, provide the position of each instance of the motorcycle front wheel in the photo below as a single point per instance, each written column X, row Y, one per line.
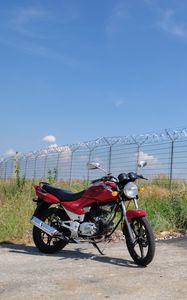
column 143, row 249
column 42, row 240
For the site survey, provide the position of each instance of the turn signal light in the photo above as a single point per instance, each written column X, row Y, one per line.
column 141, row 190
column 114, row 194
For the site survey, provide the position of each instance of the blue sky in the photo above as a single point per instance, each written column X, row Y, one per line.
column 78, row 70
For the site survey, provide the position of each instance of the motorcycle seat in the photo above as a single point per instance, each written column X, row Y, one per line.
column 61, row 194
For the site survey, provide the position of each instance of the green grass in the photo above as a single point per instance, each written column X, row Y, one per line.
column 166, row 212
column 16, row 209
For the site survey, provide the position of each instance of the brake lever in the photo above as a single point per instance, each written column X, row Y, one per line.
column 142, row 177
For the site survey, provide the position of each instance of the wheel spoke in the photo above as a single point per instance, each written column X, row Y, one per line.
column 142, row 250
column 49, row 240
column 140, row 238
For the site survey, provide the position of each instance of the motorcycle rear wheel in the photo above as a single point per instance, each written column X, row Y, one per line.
column 143, row 249
column 42, row 240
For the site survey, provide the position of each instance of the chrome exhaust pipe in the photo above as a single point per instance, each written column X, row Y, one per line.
column 45, row 227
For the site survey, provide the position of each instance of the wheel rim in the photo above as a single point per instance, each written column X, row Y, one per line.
column 141, row 245
column 47, row 239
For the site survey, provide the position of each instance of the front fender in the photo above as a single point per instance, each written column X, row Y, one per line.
column 135, row 214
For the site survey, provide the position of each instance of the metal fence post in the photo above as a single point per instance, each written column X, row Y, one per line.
column 89, row 159
column 12, row 167
column 71, row 165
column 34, row 173
column 173, row 139
column 45, row 164
column 91, row 149
column 5, row 170
column 109, row 158
column 109, row 154
column 57, row 165
column 139, row 144
column 26, row 163
column 30, row 164
column 171, row 167
column 110, row 143
column 138, row 158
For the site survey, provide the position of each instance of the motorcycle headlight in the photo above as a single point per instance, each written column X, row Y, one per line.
column 130, row 190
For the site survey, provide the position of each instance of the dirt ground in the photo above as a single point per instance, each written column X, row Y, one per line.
column 80, row 272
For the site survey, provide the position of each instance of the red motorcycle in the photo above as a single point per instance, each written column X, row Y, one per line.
column 63, row 217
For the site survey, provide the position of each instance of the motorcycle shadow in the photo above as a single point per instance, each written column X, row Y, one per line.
column 78, row 254
column 75, row 254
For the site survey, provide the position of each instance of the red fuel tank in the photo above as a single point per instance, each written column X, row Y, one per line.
column 97, row 193
column 101, row 192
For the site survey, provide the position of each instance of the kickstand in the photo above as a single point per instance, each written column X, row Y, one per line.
column 99, row 250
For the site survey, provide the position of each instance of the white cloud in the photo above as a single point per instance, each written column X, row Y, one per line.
column 10, row 152
column 145, row 156
column 52, row 146
column 118, row 15
column 65, row 152
column 23, row 17
column 169, row 24
column 28, row 22
column 49, row 139
column 33, row 49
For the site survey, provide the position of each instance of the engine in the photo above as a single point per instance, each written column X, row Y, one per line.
column 88, row 229
column 99, row 221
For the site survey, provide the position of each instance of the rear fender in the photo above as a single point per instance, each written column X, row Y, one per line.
column 41, row 206
column 135, row 214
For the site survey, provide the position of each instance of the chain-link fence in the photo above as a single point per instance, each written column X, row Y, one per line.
column 165, row 152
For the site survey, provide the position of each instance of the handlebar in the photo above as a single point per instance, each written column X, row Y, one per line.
column 141, row 177
column 95, row 180
column 105, row 178
column 130, row 177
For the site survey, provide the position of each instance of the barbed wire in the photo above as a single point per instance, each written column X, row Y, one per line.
column 149, row 138
column 165, row 151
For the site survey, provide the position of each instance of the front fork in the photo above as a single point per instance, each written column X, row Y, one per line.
column 130, row 215
column 127, row 222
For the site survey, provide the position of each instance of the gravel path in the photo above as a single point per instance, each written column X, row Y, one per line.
column 79, row 272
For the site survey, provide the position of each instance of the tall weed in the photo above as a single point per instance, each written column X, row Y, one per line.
column 165, row 211
column 16, row 209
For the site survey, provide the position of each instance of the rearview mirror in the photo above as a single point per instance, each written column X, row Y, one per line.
column 142, row 163
column 93, row 165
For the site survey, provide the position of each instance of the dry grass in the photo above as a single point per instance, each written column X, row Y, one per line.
column 166, row 212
